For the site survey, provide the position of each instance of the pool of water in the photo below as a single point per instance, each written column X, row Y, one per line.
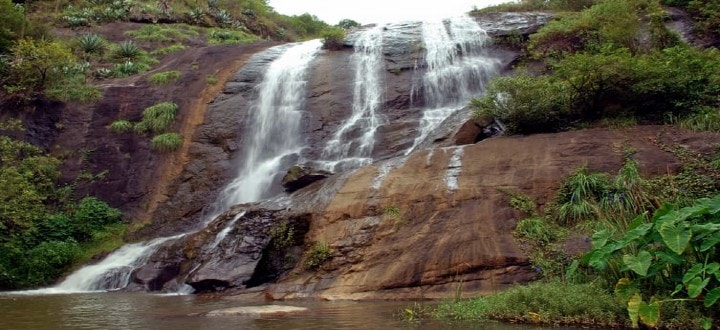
column 147, row 311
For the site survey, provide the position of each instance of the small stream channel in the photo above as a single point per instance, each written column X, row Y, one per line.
column 146, row 311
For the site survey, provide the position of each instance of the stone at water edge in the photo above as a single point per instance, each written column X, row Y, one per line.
column 273, row 310
column 298, row 177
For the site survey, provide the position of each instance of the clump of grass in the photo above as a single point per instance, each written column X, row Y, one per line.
column 160, row 33
column 317, row 256
column 121, row 126
column 211, row 79
column 223, row 36
column 157, row 118
column 707, row 119
column 167, row 142
column 164, row 78
column 168, row 49
column 552, row 303
column 536, row 229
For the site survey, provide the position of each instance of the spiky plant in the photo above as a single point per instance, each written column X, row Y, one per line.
column 92, row 43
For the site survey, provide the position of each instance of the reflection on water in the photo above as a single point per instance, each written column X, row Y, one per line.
column 144, row 311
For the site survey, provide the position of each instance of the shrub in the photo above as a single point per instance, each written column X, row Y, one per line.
column 333, row 38
column 211, row 79
column 164, row 78
column 319, row 253
column 161, row 33
column 157, row 118
column 167, row 142
column 37, row 64
column 537, row 230
column 121, row 126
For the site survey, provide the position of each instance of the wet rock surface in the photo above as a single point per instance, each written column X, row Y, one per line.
column 299, row 177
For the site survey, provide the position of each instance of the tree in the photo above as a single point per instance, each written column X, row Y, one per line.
column 347, row 24
column 37, row 63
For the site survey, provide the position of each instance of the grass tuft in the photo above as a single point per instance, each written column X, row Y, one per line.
column 157, row 118
column 121, row 126
column 167, row 142
column 164, row 78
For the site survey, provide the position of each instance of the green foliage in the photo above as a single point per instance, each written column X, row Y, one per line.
column 167, row 142
column 128, row 51
column 128, row 68
column 121, row 126
column 41, row 231
column 74, row 88
column 168, row 49
column 537, row 230
column 211, row 80
column 162, row 33
column 579, row 195
column 164, row 78
column 537, row 5
column 36, row 64
column 282, row 235
column 347, row 24
column 12, row 24
column 225, row 36
column 157, row 118
column 526, row 103
column 317, row 256
column 333, row 38
column 91, row 44
column 552, row 303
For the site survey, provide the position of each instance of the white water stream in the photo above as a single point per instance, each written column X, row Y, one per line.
column 352, row 144
column 274, row 128
column 457, row 69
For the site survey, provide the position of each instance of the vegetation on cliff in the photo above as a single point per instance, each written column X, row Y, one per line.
column 45, row 228
column 613, row 63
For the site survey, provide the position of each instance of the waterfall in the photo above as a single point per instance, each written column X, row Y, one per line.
column 352, row 144
column 457, row 69
column 273, row 130
column 223, row 233
column 273, row 136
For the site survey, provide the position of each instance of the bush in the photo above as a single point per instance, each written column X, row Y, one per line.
column 319, row 253
column 121, row 126
column 222, row 37
column 167, row 142
column 164, row 78
column 157, row 118
column 37, row 64
column 333, row 38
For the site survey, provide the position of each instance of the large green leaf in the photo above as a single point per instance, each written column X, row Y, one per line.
column 600, row 238
column 635, row 234
column 692, row 273
column 712, row 297
column 696, row 286
column 709, row 242
column 640, row 263
column 633, row 308
column 649, row 313
column 714, row 205
column 676, row 237
column 624, row 289
column 661, row 212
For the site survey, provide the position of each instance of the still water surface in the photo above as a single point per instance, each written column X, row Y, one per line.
column 145, row 311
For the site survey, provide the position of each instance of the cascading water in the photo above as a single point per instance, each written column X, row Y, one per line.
column 275, row 119
column 111, row 273
column 274, row 126
column 352, row 144
column 457, row 69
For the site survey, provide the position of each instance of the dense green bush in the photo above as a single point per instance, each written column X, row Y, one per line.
column 42, row 231
column 333, row 38
column 12, row 24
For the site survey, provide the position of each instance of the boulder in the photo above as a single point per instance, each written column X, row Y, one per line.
column 256, row 311
column 298, row 177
